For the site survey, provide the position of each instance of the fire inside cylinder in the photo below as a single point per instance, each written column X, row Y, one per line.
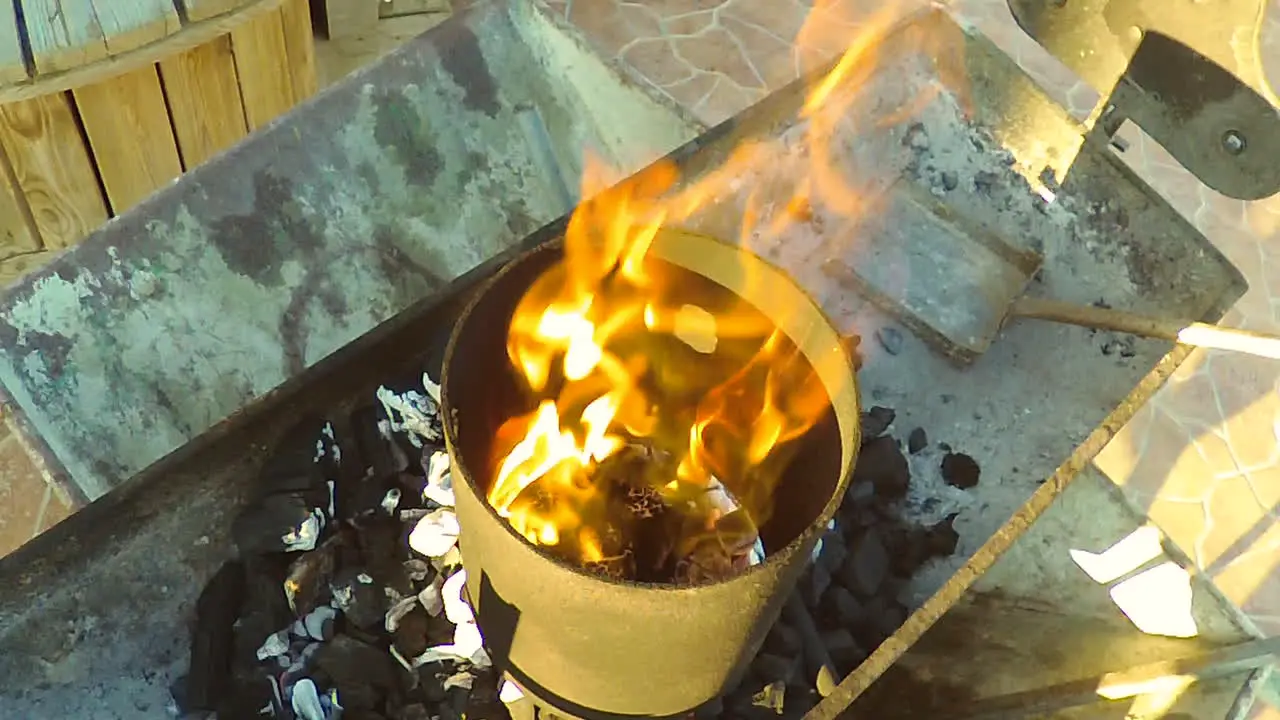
column 667, row 410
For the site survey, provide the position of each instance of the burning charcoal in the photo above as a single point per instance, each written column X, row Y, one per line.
column 844, row 651
column 435, row 534
column 278, row 523
column 211, row 644
column 866, row 567
column 918, row 440
column 306, row 701
column 960, row 470
column 351, row 663
column 942, row 538
column 783, row 640
column 881, row 463
column 876, row 420
column 309, row 576
column 360, row 599
column 890, row 338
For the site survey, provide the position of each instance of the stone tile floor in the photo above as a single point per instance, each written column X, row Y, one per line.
column 1203, row 457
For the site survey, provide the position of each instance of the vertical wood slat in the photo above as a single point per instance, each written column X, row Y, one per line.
column 262, row 66
column 64, row 34
column 17, row 228
column 204, row 100
column 129, row 24
column 299, row 43
column 12, row 67
column 52, row 167
column 129, row 131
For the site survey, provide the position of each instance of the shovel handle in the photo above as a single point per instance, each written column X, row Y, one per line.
column 1194, row 334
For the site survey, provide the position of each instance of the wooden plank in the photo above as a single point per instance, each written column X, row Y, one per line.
column 12, row 67
column 52, row 167
column 399, row 8
column 64, row 34
column 17, row 228
column 261, row 64
column 299, row 43
column 128, row 128
column 204, row 100
column 205, row 9
column 348, row 18
column 12, row 269
column 129, row 24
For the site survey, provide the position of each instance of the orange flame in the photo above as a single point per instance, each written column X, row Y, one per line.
column 621, row 351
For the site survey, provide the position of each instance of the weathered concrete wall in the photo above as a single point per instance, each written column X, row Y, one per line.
column 328, row 222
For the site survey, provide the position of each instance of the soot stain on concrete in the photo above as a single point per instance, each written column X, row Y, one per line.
column 54, row 350
column 251, row 244
column 398, row 128
column 461, row 57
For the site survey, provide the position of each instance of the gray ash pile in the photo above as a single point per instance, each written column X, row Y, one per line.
column 346, row 599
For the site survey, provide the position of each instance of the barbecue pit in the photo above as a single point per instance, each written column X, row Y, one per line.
column 1019, row 412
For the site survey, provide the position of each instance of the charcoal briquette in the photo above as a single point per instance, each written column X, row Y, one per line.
column 845, row 652
column 841, row 609
column 813, row 583
column 876, row 420
column 278, row 523
column 410, row 636
column 776, row 668
column 352, row 663
column 710, row 710
column 882, row 464
column 306, row 584
column 890, row 338
column 917, row 441
column 960, row 470
column 361, row 599
column 865, row 569
column 833, row 552
column 431, row 681
column 414, row 711
column 217, row 610
column 783, row 640
column 941, row 539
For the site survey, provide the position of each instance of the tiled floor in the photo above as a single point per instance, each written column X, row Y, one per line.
column 1204, row 456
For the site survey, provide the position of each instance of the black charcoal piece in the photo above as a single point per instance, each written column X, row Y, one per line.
column 483, row 702
column 357, row 696
column 776, row 668
column 783, row 640
column 710, row 710
column 865, row 569
column 306, row 585
column 846, row 654
column 916, row 441
column 960, row 470
column 303, row 451
column 362, row 600
column 941, row 539
column 431, row 681
column 890, row 338
column 833, row 551
column 410, row 636
column 217, row 609
column 881, row 463
column 351, row 663
column 908, row 550
column 876, row 420
column 813, row 583
column 246, row 697
column 414, row 711
column 278, row 523
column 841, row 609
column 377, row 452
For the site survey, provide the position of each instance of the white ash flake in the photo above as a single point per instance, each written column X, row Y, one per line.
column 432, row 597
column 436, row 534
column 398, row 611
column 439, row 487
column 462, row 679
column 305, row 536
column 391, row 501
column 432, row 388
column 306, row 701
column 412, row 413
column 929, row 498
column 275, row 645
column 510, row 692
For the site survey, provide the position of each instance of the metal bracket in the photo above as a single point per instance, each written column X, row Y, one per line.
column 1190, row 75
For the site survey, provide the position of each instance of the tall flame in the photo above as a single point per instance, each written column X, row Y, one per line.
column 626, row 356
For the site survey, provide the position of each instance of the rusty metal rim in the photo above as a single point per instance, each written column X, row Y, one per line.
column 772, row 559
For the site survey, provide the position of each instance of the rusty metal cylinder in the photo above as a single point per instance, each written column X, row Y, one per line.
column 597, row 648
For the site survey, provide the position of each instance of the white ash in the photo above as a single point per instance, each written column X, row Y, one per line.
column 412, row 413
column 275, row 645
column 929, row 498
column 432, row 388
column 436, row 534
column 391, row 501
column 510, row 692
column 319, row 623
column 439, row 487
column 432, row 597
column 306, row 701
column 398, row 611
column 462, row 679
column 456, row 609
column 306, row 535
column 333, row 496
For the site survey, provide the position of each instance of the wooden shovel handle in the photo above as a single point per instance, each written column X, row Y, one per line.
column 1193, row 334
